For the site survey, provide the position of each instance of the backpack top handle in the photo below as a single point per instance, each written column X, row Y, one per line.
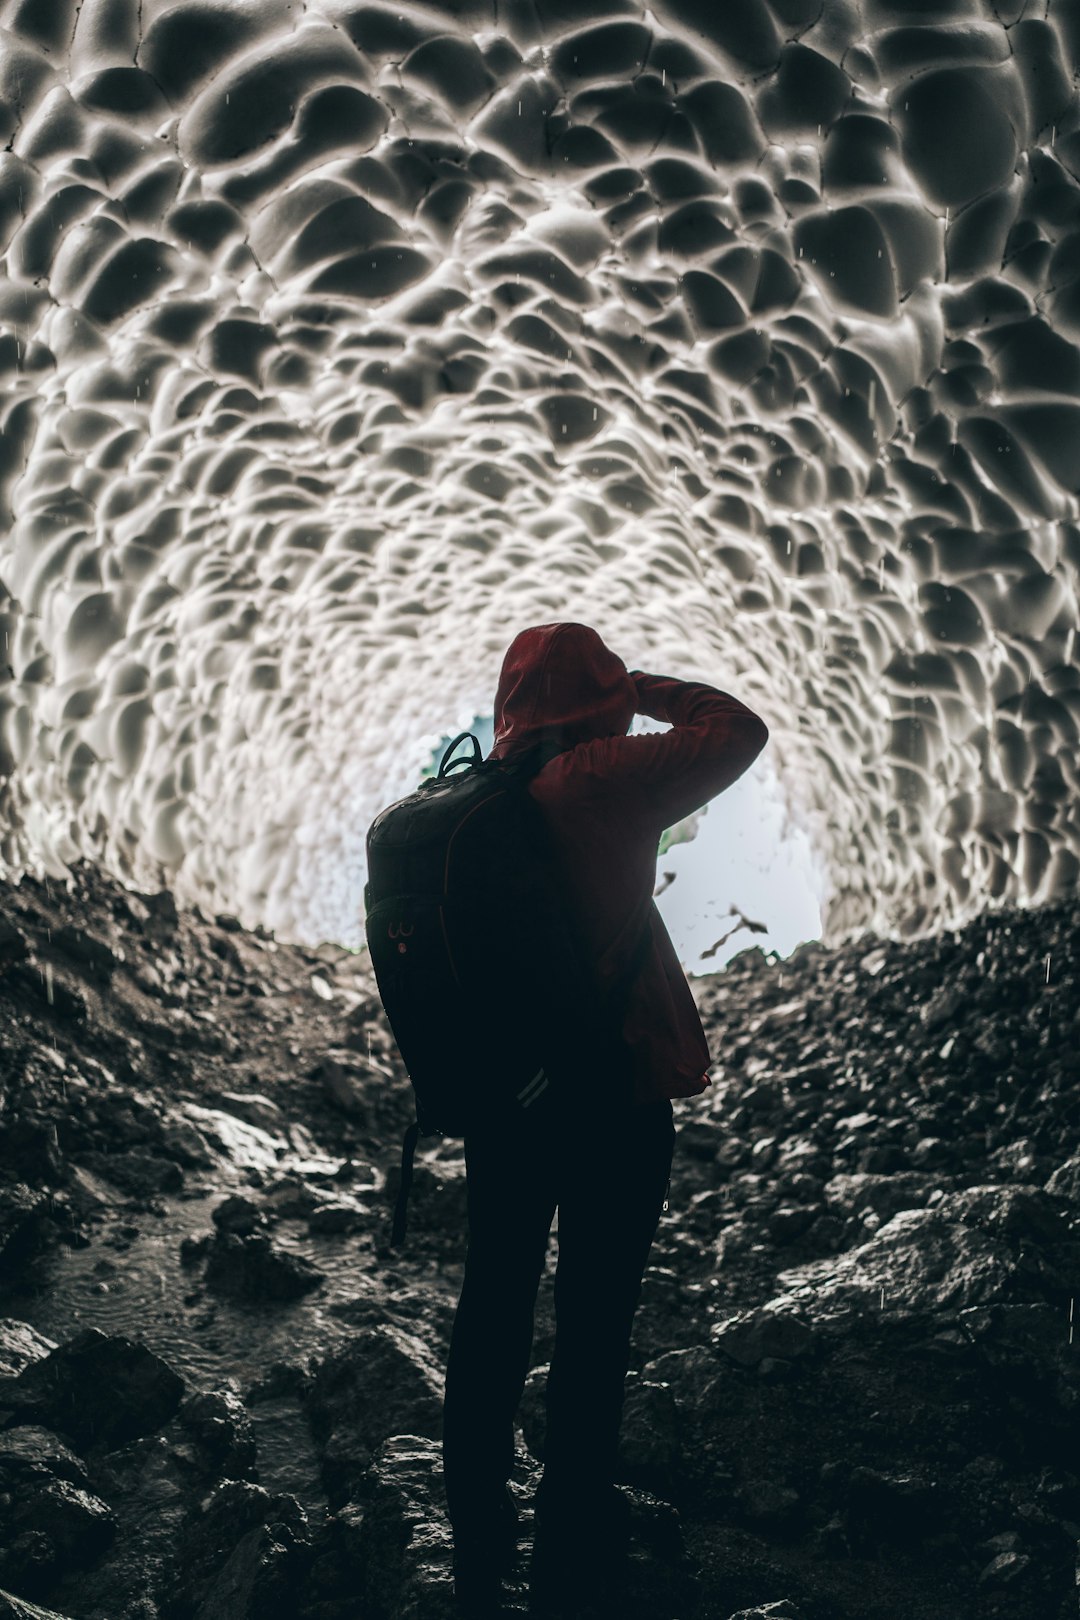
column 471, row 764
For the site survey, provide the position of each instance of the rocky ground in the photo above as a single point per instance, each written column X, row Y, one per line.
column 853, row 1393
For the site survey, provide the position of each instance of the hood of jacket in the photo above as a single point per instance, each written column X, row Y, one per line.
column 560, row 685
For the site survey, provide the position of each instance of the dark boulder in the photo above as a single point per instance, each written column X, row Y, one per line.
column 400, row 1548
column 242, row 1554
column 239, row 1215
column 384, row 1382
column 99, row 1390
column 138, row 1174
column 20, row 1345
column 337, row 1218
column 769, row 1331
column 29, row 1452
column 222, row 1433
column 76, row 1526
column 253, row 1268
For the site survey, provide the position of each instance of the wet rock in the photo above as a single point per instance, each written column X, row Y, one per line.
column 920, row 1263
column 886, row 1195
column 255, row 1109
column 337, row 1217
column 13, row 1608
column 1064, row 1182
column 401, row 1548
column 262, row 1576
column 238, row 1215
column 346, row 1083
column 76, row 1525
column 763, row 1152
column 139, row 1175
column 29, row 1452
column 942, row 1007
column 148, row 979
column 294, row 1197
column 182, row 1140
column 20, row 1345
column 194, row 1250
column 161, row 912
column 1007, row 1569
column 1006, row 1541
column 253, row 1268
column 222, row 1432
column 242, row 1144
column 695, row 1376
column 1036, row 1226
column 790, row 1221
column 22, row 1210
column 931, row 1153
column 283, row 1381
column 87, row 1192
column 243, row 1555
column 1017, row 1161
column 772, row 1330
column 98, row 1390
column 148, row 1483
column 384, row 1382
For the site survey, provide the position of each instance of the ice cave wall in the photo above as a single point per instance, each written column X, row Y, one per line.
column 341, row 340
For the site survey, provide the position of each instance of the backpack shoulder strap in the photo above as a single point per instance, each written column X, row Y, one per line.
column 408, row 1151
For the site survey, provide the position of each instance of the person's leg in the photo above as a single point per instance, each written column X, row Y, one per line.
column 613, row 1180
column 511, row 1203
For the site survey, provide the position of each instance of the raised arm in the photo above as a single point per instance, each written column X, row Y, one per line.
column 713, row 739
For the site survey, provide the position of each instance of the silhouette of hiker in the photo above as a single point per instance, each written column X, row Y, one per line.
column 606, row 798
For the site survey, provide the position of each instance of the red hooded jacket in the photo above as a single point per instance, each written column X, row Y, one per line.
column 607, row 799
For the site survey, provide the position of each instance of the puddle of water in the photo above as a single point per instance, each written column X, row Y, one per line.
column 130, row 1281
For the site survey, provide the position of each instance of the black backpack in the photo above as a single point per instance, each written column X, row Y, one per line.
column 478, row 958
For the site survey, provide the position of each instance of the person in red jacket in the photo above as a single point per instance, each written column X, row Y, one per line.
column 606, row 798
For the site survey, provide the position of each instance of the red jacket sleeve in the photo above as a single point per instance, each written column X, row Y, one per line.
column 666, row 775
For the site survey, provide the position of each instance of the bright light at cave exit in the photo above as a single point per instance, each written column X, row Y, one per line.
column 736, row 863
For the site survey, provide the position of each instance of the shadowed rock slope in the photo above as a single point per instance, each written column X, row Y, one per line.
column 853, row 1390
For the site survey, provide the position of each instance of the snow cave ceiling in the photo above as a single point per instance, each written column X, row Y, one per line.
column 342, row 340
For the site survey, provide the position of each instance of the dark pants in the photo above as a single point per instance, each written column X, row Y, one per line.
column 608, row 1181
